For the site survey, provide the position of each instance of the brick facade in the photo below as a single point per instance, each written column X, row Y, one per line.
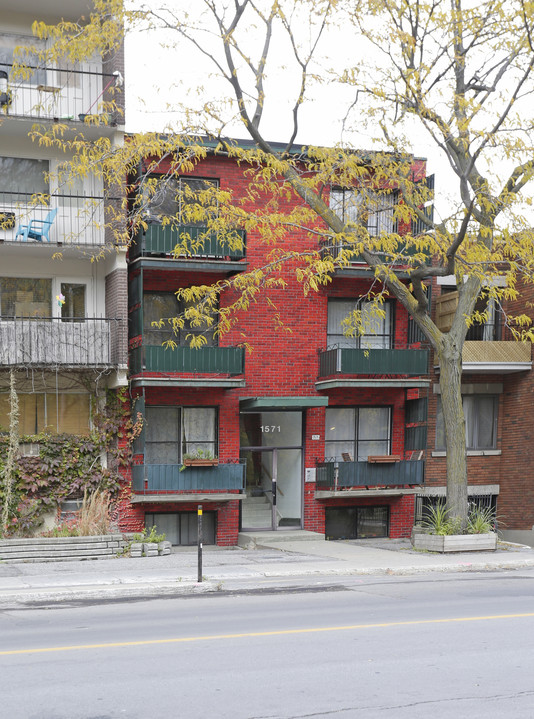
column 284, row 362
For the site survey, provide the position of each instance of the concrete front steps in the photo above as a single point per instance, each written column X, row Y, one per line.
column 265, row 540
column 256, row 512
column 58, row 549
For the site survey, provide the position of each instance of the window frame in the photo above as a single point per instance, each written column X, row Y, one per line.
column 177, row 197
column 361, row 341
column 180, row 441
column 440, row 426
column 55, row 291
column 355, row 207
column 166, row 333
column 356, row 441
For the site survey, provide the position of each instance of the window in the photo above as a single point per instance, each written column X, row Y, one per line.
column 163, row 306
column 181, row 528
column 23, row 176
column 57, row 413
column 172, row 432
column 481, row 413
column 74, row 304
column 378, row 330
column 186, row 198
column 375, row 211
column 356, row 522
column 8, row 43
column 25, row 297
column 357, row 432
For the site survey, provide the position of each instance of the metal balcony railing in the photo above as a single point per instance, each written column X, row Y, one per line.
column 51, row 93
column 80, row 219
column 399, row 360
column 162, row 240
column 338, row 475
column 53, row 341
column 224, row 360
column 148, row 478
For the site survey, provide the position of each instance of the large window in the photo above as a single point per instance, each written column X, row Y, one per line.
column 357, row 432
column 189, row 199
column 172, row 432
column 164, row 306
column 23, row 176
column 481, row 413
column 378, row 330
column 375, row 211
column 8, row 43
column 57, row 413
column 356, row 522
column 25, row 297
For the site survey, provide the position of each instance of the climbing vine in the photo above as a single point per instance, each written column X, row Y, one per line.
column 66, row 465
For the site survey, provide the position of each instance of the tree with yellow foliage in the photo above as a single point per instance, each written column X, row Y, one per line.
column 458, row 73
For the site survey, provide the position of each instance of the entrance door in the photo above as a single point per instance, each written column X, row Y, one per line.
column 259, row 507
column 273, row 471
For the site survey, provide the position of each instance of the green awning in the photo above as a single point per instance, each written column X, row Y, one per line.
column 276, row 403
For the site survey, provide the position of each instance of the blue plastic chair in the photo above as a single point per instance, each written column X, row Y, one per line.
column 37, row 229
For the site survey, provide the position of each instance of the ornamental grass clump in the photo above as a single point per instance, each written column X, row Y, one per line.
column 94, row 516
column 438, row 521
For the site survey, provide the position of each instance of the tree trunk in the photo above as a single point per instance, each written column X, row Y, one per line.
column 450, row 376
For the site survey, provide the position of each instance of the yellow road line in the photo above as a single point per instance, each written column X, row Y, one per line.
column 274, row 633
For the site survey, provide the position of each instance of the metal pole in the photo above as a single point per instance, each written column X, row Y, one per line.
column 199, row 517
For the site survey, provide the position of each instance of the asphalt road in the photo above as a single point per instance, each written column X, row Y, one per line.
column 435, row 646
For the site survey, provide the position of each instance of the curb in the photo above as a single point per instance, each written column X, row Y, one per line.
column 217, row 584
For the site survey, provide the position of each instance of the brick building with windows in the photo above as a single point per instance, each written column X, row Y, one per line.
column 311, row 429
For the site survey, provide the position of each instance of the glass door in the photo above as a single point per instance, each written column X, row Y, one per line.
column 258, row 509
column 271, row 448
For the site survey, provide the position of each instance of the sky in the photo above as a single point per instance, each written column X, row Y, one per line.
column 159, row 79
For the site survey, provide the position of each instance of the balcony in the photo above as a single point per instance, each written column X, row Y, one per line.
column 205, row 360
column 64, row 94
column 167, row 478
column 54, row 342
column 79, row 221
column 158, row 240
column 490, row 347
column 373, row 361
column 334, row 476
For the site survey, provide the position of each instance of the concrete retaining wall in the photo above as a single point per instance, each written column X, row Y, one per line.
column 57, row 549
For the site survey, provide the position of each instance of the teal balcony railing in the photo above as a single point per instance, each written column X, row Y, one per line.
column 224, row 360
column 337, row 475
column 162, row 240
column 168, row 478
column 373, row 361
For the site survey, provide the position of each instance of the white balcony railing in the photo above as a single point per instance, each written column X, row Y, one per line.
column 44, row 342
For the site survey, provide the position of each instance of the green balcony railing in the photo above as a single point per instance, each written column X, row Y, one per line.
column 373, row 361
column 332, row 475
column 162, row 240
column 226, row 360
column 169, row 478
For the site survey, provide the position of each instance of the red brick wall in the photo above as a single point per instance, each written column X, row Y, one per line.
column 286, row 329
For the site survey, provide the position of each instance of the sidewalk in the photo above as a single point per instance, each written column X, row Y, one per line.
column 275, row 564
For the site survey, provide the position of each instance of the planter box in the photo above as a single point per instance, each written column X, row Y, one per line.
column 201, row 462
column 454, row 542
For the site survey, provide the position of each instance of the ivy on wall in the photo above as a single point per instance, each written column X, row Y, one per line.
column 67, row 465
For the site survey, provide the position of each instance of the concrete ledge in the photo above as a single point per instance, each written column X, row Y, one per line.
column 51, row 549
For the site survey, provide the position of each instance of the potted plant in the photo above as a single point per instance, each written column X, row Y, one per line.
column 439, row 533
column 199, row 458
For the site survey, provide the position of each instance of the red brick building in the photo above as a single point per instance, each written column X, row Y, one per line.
column 498, row 393
column 310, row 430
